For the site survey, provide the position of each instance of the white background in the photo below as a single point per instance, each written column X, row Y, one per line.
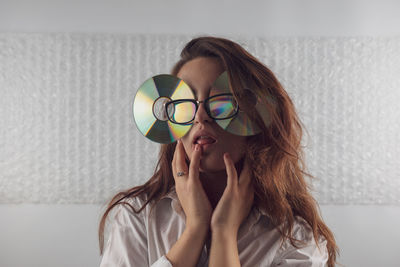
column 66, row 235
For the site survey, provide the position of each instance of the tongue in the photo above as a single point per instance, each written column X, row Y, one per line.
column 204, row 141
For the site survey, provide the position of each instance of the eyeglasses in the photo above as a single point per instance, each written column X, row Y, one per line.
column 218, row 107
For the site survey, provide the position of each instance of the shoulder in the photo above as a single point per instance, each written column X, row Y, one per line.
column 308, row 252
column 302, row 230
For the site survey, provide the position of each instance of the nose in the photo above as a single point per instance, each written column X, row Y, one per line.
column 201, row 114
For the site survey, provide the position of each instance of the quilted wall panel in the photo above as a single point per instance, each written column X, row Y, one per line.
column 67, row 133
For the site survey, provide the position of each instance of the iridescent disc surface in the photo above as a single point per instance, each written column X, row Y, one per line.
column 241, row 123
column 149, row 108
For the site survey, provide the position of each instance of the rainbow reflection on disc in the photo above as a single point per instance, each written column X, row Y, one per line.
column 241, row 123
column 149, row 108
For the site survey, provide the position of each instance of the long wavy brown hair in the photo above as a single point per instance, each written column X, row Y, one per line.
column 276, row 155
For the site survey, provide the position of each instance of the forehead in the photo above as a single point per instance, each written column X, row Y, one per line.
column 200, row 74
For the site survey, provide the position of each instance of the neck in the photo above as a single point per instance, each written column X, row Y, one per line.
column 214, row 183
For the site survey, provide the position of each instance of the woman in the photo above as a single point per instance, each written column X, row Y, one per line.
column 221, row 199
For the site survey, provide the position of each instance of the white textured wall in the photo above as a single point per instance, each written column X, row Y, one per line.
column 68, row 134
column 254, row 18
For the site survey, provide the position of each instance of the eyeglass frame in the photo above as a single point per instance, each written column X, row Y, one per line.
column 206, row 107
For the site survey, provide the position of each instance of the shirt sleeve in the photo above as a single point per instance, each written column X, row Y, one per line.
column 127, row 242
column 309, row 255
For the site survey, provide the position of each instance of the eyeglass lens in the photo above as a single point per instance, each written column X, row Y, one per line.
column 182, row 111
column 219, row 107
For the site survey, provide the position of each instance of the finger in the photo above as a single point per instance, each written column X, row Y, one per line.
column 174, row 159
column 180, row 164
column 195, row 162
column 245, row 175
column 230, row 171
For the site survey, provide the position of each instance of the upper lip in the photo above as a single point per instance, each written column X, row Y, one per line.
column 202, row 133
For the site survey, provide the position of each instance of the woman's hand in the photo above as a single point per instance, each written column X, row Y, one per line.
column 236, row 201
column 189, row 189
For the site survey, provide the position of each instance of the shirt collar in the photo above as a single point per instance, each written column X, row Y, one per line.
column 175, row 204
column 171, row 194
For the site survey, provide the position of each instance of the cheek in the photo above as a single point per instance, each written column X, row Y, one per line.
column 237, row 154
column 238, row 149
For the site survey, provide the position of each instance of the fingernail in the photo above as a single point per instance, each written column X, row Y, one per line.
column 197, row 147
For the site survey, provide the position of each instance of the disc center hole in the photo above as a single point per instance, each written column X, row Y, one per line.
column 159, row 110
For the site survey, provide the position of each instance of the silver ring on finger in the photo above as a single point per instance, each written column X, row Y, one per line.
column 179, row 174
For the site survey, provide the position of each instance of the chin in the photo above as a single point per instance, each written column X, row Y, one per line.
column 207, row 167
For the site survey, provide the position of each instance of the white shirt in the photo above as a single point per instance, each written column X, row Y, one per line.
column 144, row 239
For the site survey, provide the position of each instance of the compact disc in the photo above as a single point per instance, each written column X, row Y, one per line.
column 241, row 124
column 149, row 109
